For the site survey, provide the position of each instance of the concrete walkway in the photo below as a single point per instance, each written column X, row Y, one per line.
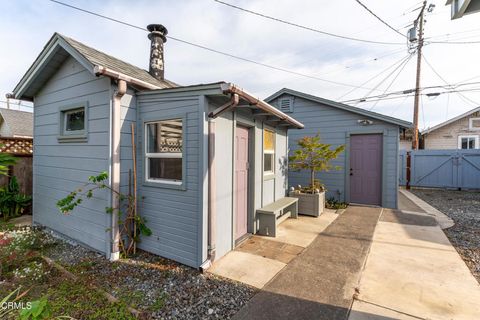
column 320, row 282
column 410, row 202
column 413, row 272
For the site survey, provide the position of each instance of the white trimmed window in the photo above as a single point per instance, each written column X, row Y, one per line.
column 468, row 142
column 164, row 151
column 73, row 123
column 474, row 123
column 268, row 152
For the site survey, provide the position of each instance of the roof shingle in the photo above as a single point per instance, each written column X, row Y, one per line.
column 102, row 59
column 20, row 123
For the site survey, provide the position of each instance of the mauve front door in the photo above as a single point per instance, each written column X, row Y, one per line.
column 241, row 181
column 366, row 169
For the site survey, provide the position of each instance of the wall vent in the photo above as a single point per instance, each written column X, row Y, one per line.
column 285, row 104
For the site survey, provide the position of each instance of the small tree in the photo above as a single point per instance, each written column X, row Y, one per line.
column 314, row 156
column 130, row 224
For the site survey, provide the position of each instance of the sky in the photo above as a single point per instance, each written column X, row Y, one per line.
column 27, row 25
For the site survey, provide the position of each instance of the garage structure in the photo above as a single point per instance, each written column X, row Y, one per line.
column 369, row 165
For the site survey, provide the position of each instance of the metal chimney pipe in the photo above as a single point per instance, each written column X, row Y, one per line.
column 157, row 37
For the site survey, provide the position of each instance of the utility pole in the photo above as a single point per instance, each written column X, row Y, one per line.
column 417, row 84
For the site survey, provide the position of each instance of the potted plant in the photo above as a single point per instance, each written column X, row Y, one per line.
column 314, row 156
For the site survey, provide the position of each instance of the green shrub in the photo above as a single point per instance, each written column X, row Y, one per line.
column 12, row 202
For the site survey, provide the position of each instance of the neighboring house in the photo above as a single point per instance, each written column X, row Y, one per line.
column 16, row 124
column 369, row 173
column 208, row 155
column 461, row 132
column 459, row 8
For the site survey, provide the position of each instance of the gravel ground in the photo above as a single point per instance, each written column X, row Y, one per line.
column 464, row 208
column 160, row 288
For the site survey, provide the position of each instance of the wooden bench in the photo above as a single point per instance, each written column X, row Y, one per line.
column 270, row 216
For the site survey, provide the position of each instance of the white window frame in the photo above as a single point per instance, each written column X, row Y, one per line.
column 469, row 137
column 470, row 122
column 164, row 155
column 272, row 172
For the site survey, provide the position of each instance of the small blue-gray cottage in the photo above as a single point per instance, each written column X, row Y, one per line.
column 208, row 155
column 369, row 173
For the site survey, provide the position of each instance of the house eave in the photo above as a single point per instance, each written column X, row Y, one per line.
column 40, row 63
column 261, row 104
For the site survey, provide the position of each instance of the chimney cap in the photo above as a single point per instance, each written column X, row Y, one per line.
column 157, row 28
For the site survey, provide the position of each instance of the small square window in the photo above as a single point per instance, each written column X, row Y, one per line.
column 73, row 123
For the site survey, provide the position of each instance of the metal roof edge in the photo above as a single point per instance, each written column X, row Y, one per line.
column 193, row 87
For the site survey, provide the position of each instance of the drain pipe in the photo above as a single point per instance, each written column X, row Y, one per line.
column 212, row 187
column 115, row 166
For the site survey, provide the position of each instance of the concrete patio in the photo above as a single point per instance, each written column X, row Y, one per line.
column 257, row 260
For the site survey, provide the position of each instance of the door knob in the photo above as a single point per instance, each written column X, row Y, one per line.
column 351, row 171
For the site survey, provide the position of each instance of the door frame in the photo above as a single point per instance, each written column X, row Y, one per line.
column 383, row 180
column 250, row 126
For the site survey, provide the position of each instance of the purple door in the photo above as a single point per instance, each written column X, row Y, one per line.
column 366, row 169
column 241, row 181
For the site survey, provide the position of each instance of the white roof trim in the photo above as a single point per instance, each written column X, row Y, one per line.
column 42, row 59
column 451, row 120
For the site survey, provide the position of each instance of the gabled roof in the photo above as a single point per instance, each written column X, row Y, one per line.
column 463, row 115
column 57, row 50
column 19, row 123
column 338, row 105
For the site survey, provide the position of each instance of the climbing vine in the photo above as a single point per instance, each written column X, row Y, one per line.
column 130, row 224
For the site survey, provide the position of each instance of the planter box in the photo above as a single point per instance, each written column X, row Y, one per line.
column 310, row 204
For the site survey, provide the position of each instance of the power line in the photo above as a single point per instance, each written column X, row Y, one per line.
column 379, row 19
column 397, row 106
column 393, row 80
column 446, row 82
column 375, row 76
column 388, row 75
column 408, row 91
column 305, row 27
column 210, row 49
column 412, row 95
column 455, row 42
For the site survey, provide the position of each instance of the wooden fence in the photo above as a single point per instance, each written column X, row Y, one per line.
column 22, row 149
column 458, row 169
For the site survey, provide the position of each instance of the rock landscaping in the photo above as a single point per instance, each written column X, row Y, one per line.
column 464, row 208
column 158, row 288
